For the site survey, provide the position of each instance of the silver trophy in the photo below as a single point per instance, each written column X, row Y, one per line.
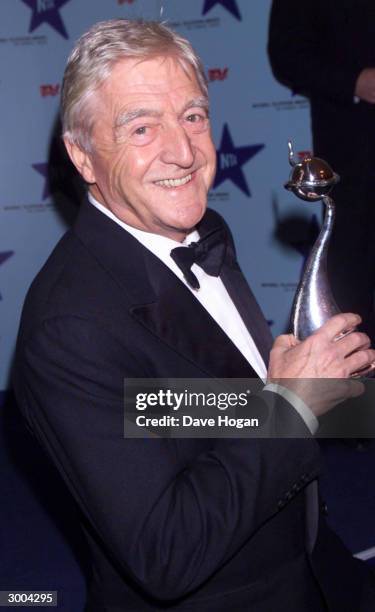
column 312, row 180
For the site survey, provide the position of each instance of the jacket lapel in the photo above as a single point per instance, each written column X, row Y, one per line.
column 164, row 305
column 179, row 319
column 247, row 306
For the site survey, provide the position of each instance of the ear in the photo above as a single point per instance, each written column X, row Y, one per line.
column 81, row 160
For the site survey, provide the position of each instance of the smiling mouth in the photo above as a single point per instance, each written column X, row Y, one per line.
column 174, row 182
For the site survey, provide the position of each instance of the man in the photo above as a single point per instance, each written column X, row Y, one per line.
column 327, row 52
column 201, row 524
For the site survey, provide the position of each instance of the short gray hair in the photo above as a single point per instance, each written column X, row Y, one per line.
column 95, row 54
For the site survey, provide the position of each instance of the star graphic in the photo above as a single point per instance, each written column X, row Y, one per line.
column 230, row 160
column 43, row 170
column 47, row 11
column 3, row 257
column 230, row 5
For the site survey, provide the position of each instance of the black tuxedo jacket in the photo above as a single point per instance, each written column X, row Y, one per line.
column 202, row 524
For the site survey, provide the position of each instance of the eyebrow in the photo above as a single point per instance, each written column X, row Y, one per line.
column 201, row 102
column 129, row 116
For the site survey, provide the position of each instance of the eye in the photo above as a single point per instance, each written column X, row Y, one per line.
column 195, row 118
column 197, row 122
column 143, row 134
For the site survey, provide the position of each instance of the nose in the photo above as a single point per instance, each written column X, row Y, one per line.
column 177, row 147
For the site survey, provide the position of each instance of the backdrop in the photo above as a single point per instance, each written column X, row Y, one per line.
column 252, row 119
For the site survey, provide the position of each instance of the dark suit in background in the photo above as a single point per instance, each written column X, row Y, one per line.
column 208, row 525
column 319, row 49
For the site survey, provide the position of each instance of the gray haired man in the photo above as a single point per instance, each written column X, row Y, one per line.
column 203, row 524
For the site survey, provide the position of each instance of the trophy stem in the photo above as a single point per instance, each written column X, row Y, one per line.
column 314, row 303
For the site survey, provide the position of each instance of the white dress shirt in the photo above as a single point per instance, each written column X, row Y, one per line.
column 216, row 300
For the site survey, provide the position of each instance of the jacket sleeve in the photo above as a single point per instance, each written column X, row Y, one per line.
column 300, row 48
column 169, row 527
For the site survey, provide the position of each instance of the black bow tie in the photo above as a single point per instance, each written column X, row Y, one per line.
column 208, row 253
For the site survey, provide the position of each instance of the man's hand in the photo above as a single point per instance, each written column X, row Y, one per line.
column 365, row 85
column 326, row 354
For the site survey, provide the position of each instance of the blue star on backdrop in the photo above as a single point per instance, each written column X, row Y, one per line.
column 43, row 170
column 47, row 12
column 3, row 257
column 230, row 160
column 230, row 5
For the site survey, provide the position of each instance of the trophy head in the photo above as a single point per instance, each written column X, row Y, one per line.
column 311, row 179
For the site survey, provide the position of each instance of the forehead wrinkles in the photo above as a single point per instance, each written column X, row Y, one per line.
column 159, row 77
column 146, row 104
column 154, row 96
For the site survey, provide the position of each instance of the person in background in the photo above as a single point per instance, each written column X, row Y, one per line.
column 325, row 50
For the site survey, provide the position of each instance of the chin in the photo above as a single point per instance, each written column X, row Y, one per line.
column 177, row 228
column 189, row 216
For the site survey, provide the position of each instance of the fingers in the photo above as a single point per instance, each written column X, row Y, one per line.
column 360, row 360
column 354, row 341
column 364, row 372
column 339, row 325
column 322, row 355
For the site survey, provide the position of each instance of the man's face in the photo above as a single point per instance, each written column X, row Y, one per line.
column 153, row 159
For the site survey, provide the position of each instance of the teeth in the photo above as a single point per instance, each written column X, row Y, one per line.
column 174, row 182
